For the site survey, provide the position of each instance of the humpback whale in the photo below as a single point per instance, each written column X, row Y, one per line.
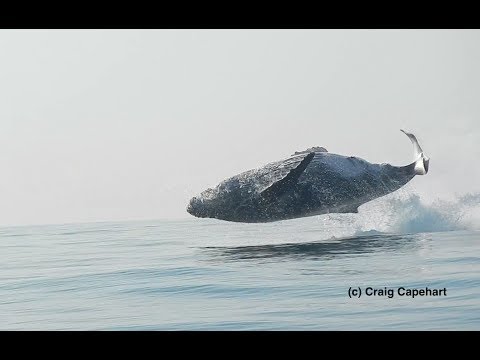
column 308, row 183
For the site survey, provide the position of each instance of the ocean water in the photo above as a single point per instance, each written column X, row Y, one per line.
column 199, row 274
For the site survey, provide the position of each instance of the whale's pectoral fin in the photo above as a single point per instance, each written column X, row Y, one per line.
column 283, row 185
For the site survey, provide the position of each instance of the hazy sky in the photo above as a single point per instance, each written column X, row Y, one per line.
column 120, row 124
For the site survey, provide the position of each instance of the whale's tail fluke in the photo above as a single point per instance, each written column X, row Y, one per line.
column 420, row 164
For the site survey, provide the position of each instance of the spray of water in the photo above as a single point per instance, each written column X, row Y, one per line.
column 407, row 213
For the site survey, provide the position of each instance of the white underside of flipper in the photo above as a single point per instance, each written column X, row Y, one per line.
column 421, row 161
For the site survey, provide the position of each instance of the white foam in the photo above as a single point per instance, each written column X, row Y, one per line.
column 408, row 213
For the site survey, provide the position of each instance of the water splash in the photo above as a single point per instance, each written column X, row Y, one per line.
column 407, row 213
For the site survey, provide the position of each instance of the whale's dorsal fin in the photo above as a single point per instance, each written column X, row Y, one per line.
column 312, row 149
column 281, row 186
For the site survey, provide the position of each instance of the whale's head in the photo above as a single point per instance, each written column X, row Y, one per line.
column 209, row 204
column 227, row 201
column 199, row 207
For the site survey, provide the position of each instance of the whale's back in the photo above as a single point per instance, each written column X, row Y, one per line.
column 343, row 166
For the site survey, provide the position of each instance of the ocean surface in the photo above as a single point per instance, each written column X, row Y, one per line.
column 204, row 274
